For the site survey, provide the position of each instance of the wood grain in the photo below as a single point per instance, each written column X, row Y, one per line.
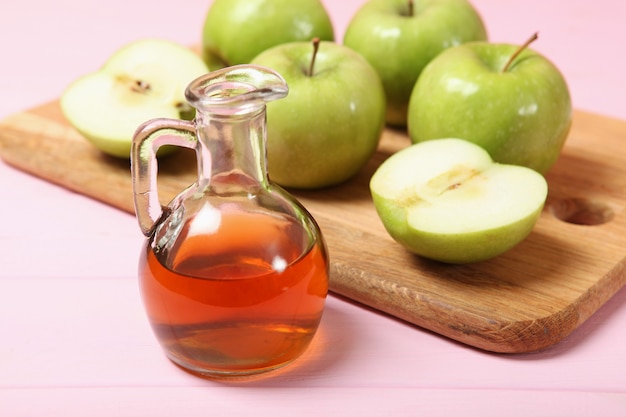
column 525, row 300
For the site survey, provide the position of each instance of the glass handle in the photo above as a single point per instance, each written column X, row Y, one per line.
column 148, row 138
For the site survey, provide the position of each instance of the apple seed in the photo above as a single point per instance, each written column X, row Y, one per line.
column 451, row 179
column 136, row 86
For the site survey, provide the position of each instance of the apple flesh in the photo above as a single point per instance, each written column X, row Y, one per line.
column 521, row 115
column 447, row 200
column 400, row 37
column 143, row 80
column 235, row 31
column 330, row 124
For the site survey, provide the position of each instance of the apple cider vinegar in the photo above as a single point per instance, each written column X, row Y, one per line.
column 234, row 272
column 244, row 299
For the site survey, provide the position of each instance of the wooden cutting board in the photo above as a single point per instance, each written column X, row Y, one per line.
column 525, row 300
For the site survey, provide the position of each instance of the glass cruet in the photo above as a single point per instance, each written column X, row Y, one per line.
column 234, row 272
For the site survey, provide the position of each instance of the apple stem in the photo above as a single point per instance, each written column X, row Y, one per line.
column 519, row 51
column 411, row 5
column 316, row 47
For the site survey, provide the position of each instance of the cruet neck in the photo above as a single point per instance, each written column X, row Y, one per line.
column 231, row 124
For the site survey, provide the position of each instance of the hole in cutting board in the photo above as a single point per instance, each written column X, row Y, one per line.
column 581, row 211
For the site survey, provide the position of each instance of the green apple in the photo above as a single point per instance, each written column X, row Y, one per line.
column 235, row 31
column 399, row 37
column 447, row 200
column 143, row 80
column 329, row 125
column 510, row 100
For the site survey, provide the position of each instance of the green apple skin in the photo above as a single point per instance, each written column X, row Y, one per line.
column 142, row 80
column 521, row 116
column 330, row 123
column 235, row 31
column 448, row 201
column 399, row 46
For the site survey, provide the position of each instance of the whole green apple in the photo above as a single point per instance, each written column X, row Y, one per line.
column 329, row 125
column 142, row 80
column 447, row 200
column 510, row 100
column 399, row 37
column 235, row 31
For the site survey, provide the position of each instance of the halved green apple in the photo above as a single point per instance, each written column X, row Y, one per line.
column 143, row 80
column 447, row 200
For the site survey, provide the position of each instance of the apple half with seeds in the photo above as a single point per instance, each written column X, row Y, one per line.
column 143, row 80
column 447, row 200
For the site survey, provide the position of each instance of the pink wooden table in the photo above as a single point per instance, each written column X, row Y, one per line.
column 73, row 337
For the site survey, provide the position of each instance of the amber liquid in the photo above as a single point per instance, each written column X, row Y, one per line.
column 246, row 298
